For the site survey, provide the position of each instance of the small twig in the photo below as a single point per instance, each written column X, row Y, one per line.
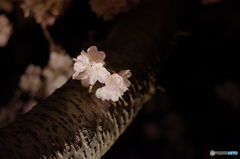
column 48, row 38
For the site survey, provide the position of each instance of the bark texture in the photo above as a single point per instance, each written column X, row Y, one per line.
column 73, row 123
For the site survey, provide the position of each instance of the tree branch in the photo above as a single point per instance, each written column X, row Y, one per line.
column 74, row 123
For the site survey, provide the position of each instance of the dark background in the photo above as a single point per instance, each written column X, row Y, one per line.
column 198, row 112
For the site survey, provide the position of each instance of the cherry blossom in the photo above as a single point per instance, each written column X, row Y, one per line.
column 108, row 93
column 89, row 67
column 92, row 56
column 57, row 72
column 115, row 86
column 44, row 11
column 60, row 61
column 96, row 72
column 5, row 30
column 81, row 63
column 54, row 80
column 87, row 59
column 31, row 80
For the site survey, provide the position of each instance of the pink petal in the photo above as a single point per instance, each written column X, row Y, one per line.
column 92, row 49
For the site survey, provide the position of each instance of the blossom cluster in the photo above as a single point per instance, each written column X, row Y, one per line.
column 5, row 30
column 44, row 11
column 31, row 80
column 39, row 83
column 58, row 71
column 110, row 8
column 89, row 68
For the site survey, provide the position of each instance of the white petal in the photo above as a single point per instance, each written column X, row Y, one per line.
column 97, row 73
column 108, row 93
column 80, row 75
column 93, row 79
column 103, row 75
column 83, row 58
column 80, row 67
column 114, row 81
column 99, row 94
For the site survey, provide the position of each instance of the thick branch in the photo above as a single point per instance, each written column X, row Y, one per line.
column 74, row 123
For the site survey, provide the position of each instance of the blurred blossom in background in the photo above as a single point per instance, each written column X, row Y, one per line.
column 36, row 84
column 31, row 80
column 5, row 30
column 45, row 12
column 107, row 9
column 58, row 71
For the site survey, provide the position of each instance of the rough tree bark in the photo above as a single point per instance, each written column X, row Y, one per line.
column 73, row 123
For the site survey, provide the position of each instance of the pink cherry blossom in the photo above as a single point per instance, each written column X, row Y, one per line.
column 31, row 80
column 87, row 59
column 54, row 80
column 115, row 86
column 45, row 12
column 108, row 93
column 81, row 63
column 92, row 56
column 57, row 72
column 89, row 67
column 96, row 72
column 60, row 61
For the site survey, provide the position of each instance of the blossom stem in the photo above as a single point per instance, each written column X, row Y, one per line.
column 90, row 88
